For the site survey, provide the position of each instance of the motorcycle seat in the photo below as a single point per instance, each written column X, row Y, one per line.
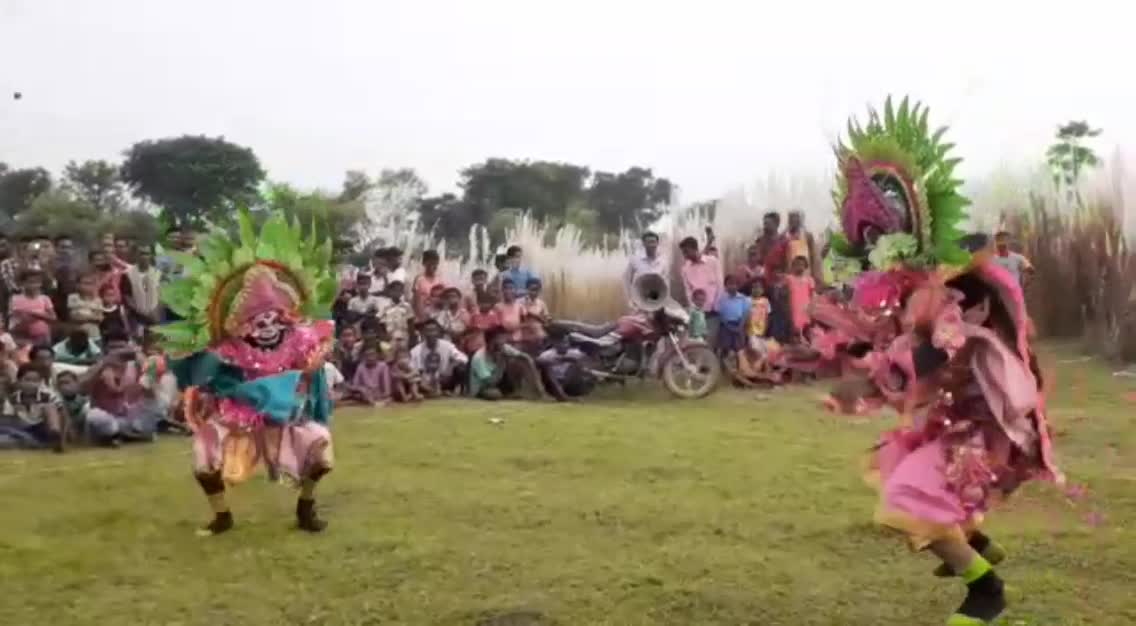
column 594, row 331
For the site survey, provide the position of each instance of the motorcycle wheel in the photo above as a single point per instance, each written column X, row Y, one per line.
column 697, row 381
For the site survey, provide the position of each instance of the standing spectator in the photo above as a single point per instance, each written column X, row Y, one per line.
column 397, row 315
column 32, row 312
column 424, row 284
column 139, row 286
column 65, row 269
column 364, row 303
column 696, row 326
column 480, row 323
column 377, row 269
column 752, row 271
column 371, row 382
column 535, row 317
column 1016, row 264
column 453, row 318
column 451, row 362
column 501, row 264
column 392, row 258
column 104, row 271
column 85, row 307
column 515, row 272
column 109, row 248
column 28, row 257
column 116, row 320
column 702, row 271
column 733, row 313
column 771, row 248
column 800, row 242
column 801, row 286
column 181, row 239
column 480, row 280
column 510, row 310
column 124, row 250
column 650, row 262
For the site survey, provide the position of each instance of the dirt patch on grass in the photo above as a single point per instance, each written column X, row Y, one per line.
column 519, row 617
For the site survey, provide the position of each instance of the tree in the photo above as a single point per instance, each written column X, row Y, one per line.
column 631, row 200
column 61, row 213
column 193, row 177
column 356, row 184
column 97, row 182
column 1068, row 159
column 18, row 188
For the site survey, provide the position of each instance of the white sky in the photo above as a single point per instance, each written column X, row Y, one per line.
column 710, row 94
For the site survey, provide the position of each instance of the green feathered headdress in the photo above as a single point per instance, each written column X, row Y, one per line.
column 216, row 286
column 896, row 177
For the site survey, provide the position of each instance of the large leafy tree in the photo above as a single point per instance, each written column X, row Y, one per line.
column 18, row 188
column 58, row 212
column 632, row 199
column 1068, row 158
column 193, row 177
column 96, row 182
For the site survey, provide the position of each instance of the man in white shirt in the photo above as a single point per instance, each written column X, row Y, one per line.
column 650, row 262
column 435, row 352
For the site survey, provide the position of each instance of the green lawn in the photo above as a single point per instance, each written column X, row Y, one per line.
column 630, row 509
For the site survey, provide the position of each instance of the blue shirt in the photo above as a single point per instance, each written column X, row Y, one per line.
column 734, row 309
column 520, row 278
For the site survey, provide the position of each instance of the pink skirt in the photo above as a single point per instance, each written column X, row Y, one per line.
column 292, row 452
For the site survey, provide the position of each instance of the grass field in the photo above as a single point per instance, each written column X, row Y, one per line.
column 630, row 509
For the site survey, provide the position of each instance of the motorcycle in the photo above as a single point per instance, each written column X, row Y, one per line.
column 649, row 342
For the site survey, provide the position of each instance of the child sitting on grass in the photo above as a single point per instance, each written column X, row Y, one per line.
column 405, row 379
column 453, row 318
column 371, row 383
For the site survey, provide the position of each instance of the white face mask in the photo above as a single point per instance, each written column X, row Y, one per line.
column 267, row 329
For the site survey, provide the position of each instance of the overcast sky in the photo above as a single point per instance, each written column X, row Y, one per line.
column 710, row 94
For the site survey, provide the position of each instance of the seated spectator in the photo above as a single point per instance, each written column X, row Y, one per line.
column 498, row 370
column 373, row 332
column 114, row 386
column 85, row 307
column 480, row 323
column 337, row 388
column 396, row 317
column 32, row 312
column 564, row 370
column 510, row 310
column 405, row 379
column 77, row 349
column 347, row 352
column 160, row 396
column 480, row 280
column 371, row 383
column 42, row 358
column 99, row 428
column 116, row 320
column 363, row 303
column 139, row 291
column 339, row 312
column 437, row 302
column 535, row 316
column 31, row 412
column 449, row 364
column 453, row 317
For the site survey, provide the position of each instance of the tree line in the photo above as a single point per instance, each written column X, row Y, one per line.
column 197, row 180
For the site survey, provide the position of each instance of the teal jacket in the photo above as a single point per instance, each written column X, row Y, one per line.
column 274, row 396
